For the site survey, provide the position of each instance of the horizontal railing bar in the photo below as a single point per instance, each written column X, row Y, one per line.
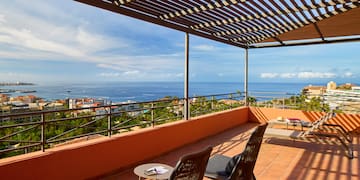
column 71, row 130
column 15, row 133
column 129, row 126
column 18, row 148
column 77, row 136
column 18, row 141
column 269, row 92
column 225, row 94
column 20, row 124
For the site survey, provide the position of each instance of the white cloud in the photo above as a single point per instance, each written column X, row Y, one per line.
column 288, row 75
column 132, row 73
column 309, row 75
column 109, row 74
column 71, row 39
column 204, row 47
column 43, row 27
column 348, row 74
column 26, row 39
column 140, row 76
column 2, row 18
column 109, row 66
column 145, row 63
column 269, row 75
column 300, row 75
column 94, row 42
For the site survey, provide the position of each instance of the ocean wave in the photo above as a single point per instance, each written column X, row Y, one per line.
column 148, row 94
column 129, row 97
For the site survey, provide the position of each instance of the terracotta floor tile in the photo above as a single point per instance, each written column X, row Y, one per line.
column 278, row 159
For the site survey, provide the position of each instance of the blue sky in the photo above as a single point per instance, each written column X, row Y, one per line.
column 66, row 41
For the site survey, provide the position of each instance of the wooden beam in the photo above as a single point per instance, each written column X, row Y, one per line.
column 357, row 39
column 278, row 28
column 336, row 11
column 278, row 40
column 318, row 30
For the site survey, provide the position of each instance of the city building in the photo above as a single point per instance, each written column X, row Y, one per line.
column 331, row 85
column 314, row 91
column 346, row 100
column 4, row 98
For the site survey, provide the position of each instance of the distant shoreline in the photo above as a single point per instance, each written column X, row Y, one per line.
column 17, row 84
column 138, row 91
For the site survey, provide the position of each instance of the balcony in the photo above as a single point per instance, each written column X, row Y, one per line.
column 115, row 156
column 226, row 131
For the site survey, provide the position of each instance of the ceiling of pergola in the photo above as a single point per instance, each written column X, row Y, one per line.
column 252, row 23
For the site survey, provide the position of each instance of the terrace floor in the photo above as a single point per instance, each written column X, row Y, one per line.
column 278, row 159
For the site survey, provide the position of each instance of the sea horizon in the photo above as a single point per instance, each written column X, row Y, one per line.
column 151, row 90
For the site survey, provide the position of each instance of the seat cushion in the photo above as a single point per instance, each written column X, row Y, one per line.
column 216, row 167
column 231, row 164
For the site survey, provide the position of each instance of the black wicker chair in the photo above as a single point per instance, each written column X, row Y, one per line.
column 192, row 166
column 240, row 166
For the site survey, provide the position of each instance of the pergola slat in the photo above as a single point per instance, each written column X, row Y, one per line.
column 275, row 34
column 245, row 23
column 199, row 9
column 263, row 16
column 334, row 12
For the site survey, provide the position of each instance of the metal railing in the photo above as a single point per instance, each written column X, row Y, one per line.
column 281, row 100
column 32, row 131
column 212, row 103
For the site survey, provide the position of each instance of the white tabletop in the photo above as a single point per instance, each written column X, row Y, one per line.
column 140, row 171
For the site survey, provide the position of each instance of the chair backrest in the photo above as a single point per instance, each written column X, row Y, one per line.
column 246, row 163
column 192, row 166
column 322, row 120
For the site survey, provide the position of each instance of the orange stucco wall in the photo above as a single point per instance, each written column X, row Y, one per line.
column 350, row 122
column 104, row 155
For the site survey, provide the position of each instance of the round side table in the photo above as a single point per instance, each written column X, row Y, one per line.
column 140, row 171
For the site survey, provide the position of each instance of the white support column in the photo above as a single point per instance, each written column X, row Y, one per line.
column 186, row 80
column 246, row 73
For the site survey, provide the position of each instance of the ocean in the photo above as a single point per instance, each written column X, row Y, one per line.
column 148, row 91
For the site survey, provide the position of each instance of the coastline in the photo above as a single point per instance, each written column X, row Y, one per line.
column 145, row 91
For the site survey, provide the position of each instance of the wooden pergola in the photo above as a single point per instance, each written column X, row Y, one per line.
column 248, row 23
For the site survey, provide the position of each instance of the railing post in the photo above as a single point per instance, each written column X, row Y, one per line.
column 212, row 102
column 109, row 114
column 283, row 103
column 43, row 140
column 152, row 115
column 186, row 79
column 246, row 78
